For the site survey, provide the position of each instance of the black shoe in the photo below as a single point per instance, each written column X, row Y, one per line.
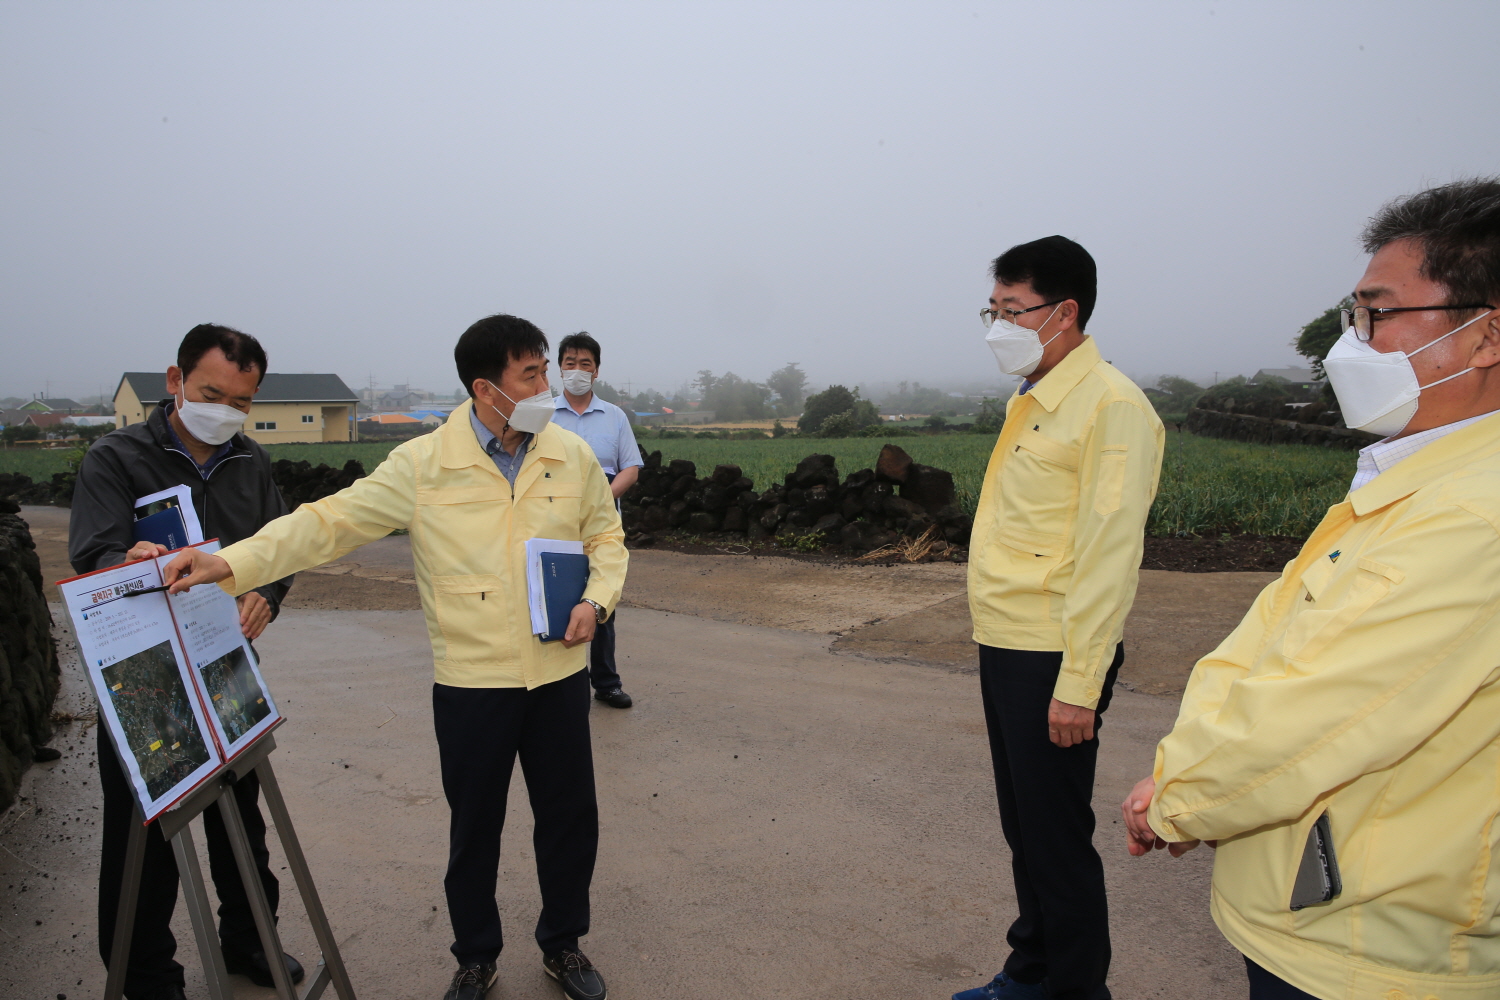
column 254, row 965
column 172, row 992
column 614, row 698
column 575, row 973
column 471, row 982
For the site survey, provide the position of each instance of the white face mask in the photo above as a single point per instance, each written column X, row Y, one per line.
column 211, row 423
column 532, row 414
column 1018, row 349
column 577, row 382
column 1379, row 392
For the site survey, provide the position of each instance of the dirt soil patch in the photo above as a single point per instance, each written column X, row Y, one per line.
column 1195, row 554
column 1221, row 554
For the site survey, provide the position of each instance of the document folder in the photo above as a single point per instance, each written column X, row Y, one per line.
column 535, row 548
column 564, row 577
column 165, row 527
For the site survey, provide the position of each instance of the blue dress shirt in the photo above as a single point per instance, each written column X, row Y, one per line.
column 507, row 463
column 606, row 429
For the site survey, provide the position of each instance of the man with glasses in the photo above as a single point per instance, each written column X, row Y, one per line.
column 1341, row 747
column 1053, row 564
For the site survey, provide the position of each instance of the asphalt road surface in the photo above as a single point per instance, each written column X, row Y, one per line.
column 778, row 819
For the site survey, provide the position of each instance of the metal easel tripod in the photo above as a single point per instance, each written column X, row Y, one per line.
column 217, row 791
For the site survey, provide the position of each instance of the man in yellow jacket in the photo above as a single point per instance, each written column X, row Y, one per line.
column 1342, row 746
column 471, row 494
column 1053, row 566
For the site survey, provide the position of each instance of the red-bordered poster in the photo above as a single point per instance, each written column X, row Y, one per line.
column 179, row 687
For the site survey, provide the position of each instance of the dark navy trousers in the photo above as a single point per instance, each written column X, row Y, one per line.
column 1061, row 935
column 480, row 733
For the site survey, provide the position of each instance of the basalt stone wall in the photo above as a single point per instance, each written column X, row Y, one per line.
column 302, row 482
column 1265, row 430
column 862, row 511
column 20, row 488
column 29, row 674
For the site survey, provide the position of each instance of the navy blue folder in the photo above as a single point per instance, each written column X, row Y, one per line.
column 165, row 527
column 564, row 576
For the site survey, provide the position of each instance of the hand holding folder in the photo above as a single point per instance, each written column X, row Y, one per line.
column 557, row 572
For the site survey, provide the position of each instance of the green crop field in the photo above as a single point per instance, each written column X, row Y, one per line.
column 37, row 464
column 1207, row 485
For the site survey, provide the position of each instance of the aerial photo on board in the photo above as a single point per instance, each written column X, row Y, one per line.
column 152, row 703
column 238, row 699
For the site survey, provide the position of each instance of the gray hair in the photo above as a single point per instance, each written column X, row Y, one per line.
column 1457, row 228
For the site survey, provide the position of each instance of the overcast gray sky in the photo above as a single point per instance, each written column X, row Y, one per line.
column 723, row 186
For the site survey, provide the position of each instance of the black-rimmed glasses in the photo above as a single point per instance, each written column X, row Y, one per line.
column 988, row 316
column 1363, row 318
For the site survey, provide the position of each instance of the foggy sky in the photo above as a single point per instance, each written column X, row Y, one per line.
column 705, row 185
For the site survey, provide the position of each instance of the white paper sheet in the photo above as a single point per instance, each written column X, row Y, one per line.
column 147, row 698
column 180, row 497
column 534, row 597
column 208, row 620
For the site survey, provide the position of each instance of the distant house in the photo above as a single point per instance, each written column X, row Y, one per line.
column 1302, row 378
column 34, row 418
column 53, row 406
column 287, row 408
column 402, row 398
column 390, row 418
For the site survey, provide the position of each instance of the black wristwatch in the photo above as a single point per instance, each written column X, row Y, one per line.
column 600, row 615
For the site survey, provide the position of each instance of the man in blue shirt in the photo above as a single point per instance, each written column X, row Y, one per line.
column 607, row 430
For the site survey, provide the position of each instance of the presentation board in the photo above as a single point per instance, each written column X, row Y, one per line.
column 179, row 687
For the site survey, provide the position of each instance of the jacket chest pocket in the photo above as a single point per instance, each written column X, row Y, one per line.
column 1038, row 490
column 464, row 523
column 551, row 509
column 1329, row 605
column 470, row 612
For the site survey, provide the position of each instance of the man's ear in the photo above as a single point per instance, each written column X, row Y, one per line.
column 1067, row 315
column 174, row 379
column 1488, row 353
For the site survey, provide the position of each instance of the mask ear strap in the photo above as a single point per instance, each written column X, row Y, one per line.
column 1048, row 320
column 1440, row 381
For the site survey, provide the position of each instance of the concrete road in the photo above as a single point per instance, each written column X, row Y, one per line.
column 777, row 821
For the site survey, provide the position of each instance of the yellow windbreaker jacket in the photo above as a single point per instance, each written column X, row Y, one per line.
column 1056, row 550
column 1365, row 682
column 468, row 540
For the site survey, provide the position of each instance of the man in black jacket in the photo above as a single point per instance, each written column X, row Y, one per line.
column 193, row 440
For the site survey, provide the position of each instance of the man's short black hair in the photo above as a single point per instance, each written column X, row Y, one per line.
column 494, row 342
column 580, row 341
column 1457, row 228
column 239, row 348
column 1056, row 268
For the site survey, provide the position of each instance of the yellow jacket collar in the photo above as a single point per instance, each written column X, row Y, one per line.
column 460, row 448
column 1438, row 459
column 1057, row 383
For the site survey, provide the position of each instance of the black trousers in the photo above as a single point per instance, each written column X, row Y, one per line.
column 152, row 945
column 602, row 672
column 1061, row 935
column 480, row 731
column 1266, row 985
